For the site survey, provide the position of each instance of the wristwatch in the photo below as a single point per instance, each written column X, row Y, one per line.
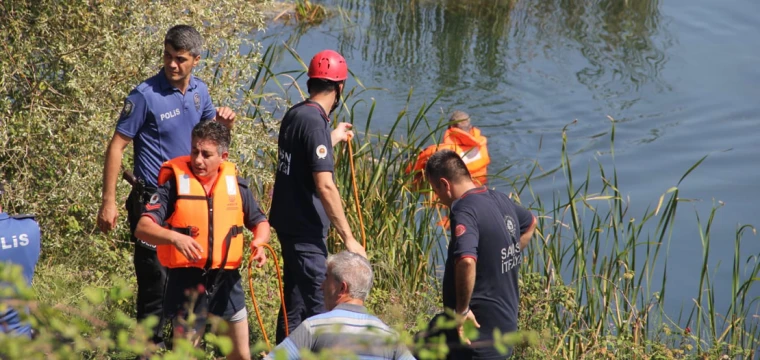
column 465, row 312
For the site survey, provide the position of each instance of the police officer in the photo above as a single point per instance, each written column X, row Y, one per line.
column 197, row 218
column 159, row 115
column 19, row 245
column 488, row 234
column 305, row 199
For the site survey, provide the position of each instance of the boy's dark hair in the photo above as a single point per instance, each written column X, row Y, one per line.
column 214, row 131
column 185, row 37
column 446, row 164
column 318, row 86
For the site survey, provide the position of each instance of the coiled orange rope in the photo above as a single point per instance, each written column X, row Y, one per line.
column 356, row 192
column 253, row 296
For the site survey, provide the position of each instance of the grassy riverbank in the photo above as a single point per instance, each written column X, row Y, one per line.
column 592, row 280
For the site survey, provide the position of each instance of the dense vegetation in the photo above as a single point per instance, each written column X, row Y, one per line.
column 589, row 283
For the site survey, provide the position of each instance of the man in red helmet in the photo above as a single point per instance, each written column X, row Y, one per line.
column 306, row 200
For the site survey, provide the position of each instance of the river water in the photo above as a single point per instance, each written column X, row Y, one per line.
column 681, row 78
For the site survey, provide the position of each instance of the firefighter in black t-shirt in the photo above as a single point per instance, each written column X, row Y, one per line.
column 306, row 200
column 488, row 234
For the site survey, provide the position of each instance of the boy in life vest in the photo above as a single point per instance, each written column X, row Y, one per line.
column 196, row 220
column 464, row 139
column 473, row 145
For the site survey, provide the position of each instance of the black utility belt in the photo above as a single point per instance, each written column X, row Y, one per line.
column 146, row 245
column 140, row 195
column 146, row 193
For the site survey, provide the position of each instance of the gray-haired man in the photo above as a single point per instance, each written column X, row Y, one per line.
column 346, row 326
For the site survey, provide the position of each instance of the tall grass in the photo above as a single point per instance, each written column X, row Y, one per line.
column 310, row 13
column 593, row 280
column 591, row 242
column 395, row 221
column 401, row 234
column 398, row 225
column 600, row 269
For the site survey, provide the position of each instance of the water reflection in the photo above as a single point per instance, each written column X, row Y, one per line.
column 521, row 67
column 623, row 42
column 527, row 68
column 444, row 43
column 614, row 47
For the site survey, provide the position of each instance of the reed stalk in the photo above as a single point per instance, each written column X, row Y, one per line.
column 594, row 276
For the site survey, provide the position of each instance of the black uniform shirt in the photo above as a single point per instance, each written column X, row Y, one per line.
column 486, row 225
column 305, row 147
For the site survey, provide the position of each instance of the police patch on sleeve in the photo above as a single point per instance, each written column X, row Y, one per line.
column 127, row 109
column 197, row 101
column 459, row 230
column 321, row 151
column 153, row 203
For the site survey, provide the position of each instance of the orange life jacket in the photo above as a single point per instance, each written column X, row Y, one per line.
column 471, row 146
column 193, row 216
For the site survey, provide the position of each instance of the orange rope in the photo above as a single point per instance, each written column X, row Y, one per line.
column 253, row 296
column 356, row 192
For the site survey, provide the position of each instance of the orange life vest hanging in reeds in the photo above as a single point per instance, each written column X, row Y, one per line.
column 471, row 146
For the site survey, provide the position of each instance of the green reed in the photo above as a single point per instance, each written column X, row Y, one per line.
column 309, row 13
column 397, row 223
column 608, row 265
column 612, row 257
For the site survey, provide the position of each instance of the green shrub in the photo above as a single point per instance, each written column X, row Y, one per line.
column 67, row 67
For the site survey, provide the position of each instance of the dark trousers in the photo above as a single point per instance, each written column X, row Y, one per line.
column 151, row 275
column 457, row 350
column 305, row 269
column 223, row 295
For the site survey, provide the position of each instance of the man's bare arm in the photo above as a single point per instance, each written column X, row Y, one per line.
column 464, row 282
column 108, row 212
column 527, row 235
column 330, row 197
column 261, row 233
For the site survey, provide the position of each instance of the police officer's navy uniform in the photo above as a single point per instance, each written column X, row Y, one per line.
column 19, row 245
column 160, row 120
column 297, row 214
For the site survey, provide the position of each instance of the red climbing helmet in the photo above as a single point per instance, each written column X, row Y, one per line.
column 328, row 65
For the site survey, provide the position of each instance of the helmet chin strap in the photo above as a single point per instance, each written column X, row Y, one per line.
column 337, row 100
